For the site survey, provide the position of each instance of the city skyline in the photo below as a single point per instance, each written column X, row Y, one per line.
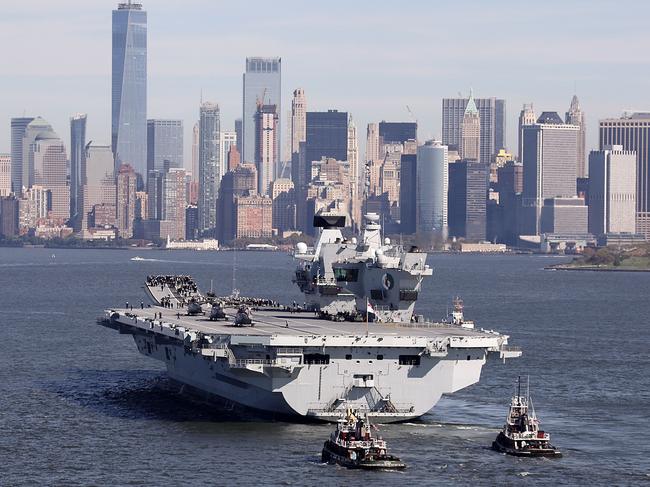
column 178, row 72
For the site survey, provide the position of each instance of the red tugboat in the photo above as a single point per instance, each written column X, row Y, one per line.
column 521, row 435
column 352, row 445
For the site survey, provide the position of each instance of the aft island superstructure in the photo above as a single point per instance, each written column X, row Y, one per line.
column 356, row 341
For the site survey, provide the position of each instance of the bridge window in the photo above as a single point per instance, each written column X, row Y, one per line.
column 316, row 359
column 409, row 360
column 346, row 275
column 408, row 295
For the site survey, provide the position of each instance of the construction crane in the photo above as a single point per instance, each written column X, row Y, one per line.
column 411, row 114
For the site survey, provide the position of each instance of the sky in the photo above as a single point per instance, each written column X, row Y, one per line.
column 370, row 58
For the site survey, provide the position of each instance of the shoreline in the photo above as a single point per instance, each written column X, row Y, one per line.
column 564, row 267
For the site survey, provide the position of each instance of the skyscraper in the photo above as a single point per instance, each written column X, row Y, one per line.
column 5, row 174
column 239, row 130
column 209, row 166
column 164, row 144
column 298, row 119
column 77, row 165
column 408, row 193
column 262, row 82
column 174, row 203
column 612, row 191
column 18, row 127
column 353, row 159
column 575, row 116
column 467, row 199
column 491, row 111
column 129, row 87
column 432, row 169
column 98, row 183
column 526, row 117
column 46, row 165
column 372, row 142
column 632, row 131
column 125, row 200
column 397, row 132
column 470, row 132
column 266, row 149
column 227, row 140
column 549, row 158
column 326, row 136
column 195, row 152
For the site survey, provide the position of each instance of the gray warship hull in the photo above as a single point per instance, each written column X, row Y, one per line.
column 295, row 364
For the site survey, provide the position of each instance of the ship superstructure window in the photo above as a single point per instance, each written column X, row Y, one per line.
column 346, row 275
column 348, row 357
column 409, row 360
column 380, row 357
column 316, row 359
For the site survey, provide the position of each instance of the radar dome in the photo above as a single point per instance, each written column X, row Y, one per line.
column 301, row 248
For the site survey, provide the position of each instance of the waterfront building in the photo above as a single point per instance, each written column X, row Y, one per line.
column 8, row 216
column 18, row 128
column 174, row 203
column 432, row 174
column 99, row 186
column 612, row 191
column 408, row 193
column 549, row 159
column 253, row 217
column 266, row 148
column 47, row 166
column 164, row 144
column 575, row 116
column 125, row 200
column 5, row 174
column 129, row 87
column 41, row 198
column 141, row 205
column 632, row 132
column 154, row 195
column 191, row 222
column 492, row 115
column 467, row 199
column 526, row 117
column 284, row 205
column 564, row 216
column 209, row 166
column 242, row 181
column 470, row 133
column 77, row 165
column 262, row 83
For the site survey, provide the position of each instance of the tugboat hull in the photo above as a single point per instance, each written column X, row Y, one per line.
column 505, row 445
column 388, row 462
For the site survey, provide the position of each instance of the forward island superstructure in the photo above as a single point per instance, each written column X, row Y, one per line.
column 356, row 341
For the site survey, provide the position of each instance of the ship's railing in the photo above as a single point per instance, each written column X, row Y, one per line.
column 510, row 348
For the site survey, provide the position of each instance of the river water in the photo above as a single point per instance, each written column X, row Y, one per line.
column 80, row 406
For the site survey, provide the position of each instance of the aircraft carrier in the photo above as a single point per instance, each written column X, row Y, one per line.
column 354, row 342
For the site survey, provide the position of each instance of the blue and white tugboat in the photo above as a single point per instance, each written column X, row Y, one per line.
column 352, row 445
column 521, row 435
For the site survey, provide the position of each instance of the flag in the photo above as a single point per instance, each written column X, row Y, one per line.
column 369, row 308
